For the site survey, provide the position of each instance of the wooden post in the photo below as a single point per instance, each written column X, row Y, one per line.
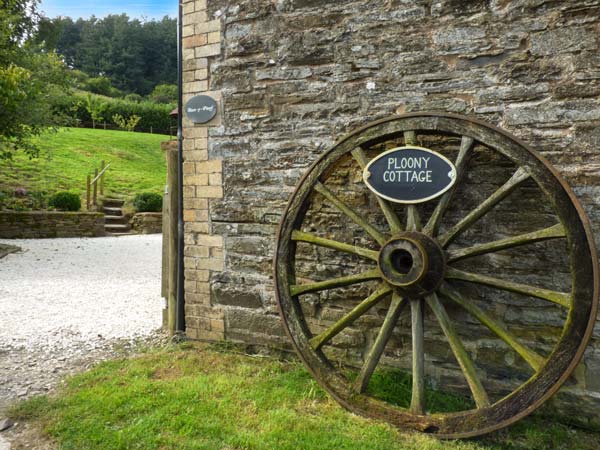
column 95, row 197
column 172, row 169
column 102, row 165
column 87, row 191
column 164, row 279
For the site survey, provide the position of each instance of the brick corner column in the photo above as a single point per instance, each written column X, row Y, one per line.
column 202, row 177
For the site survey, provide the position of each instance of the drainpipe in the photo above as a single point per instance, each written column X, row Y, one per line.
column 180, row 321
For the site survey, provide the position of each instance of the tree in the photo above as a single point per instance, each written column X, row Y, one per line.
column 95, row 108
column 164, row 93
column 28, row 77
column 135, row 56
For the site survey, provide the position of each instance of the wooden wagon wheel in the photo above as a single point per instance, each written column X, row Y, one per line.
column 430, row 280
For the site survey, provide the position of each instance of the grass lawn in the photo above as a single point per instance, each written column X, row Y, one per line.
column 195, row 397
column 70, row 154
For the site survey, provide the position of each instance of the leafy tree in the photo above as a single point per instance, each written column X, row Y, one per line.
column 95, row 108
column 126, row 124
column 28, row 78
column 101, row 86
column 164, row 93
column 135, row 56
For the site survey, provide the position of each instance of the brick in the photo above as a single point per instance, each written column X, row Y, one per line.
column 195, row 132
column 195, row 41
column 188, row 143
column 212, row 336
column 188, row 30
column 193, row 300
column 195, row 203
column 209, row 26
column 189, row 192
column 202, row 287
column 189, row 216
column 209, row 240
column 200, row 5
column 196, row 251
column 215, row 179
column 189, row 53
column 213, row 264
column 189, row 286
column 196, row 227
column 195, row 18
column 201, row 144
column 196, row 86
column 189, row 167
column 201, row 74
column 211, row 166
column 194, row 64
column 217, row 325
column 197, row 155
column 195, row 180
column 207, row 50
column 209, row 192
column 189, row 7
column 213, row 37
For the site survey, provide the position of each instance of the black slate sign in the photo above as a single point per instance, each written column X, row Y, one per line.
column 201, row 109
column 409, row 174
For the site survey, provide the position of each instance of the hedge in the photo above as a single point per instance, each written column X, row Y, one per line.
column 155, row 116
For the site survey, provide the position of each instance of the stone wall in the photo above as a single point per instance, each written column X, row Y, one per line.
column 146, row 223
column 293, row 76
column 50, row 224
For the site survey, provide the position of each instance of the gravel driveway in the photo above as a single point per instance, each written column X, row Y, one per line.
column 66, row 303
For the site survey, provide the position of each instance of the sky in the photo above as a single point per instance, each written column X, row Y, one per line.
column 150, row 9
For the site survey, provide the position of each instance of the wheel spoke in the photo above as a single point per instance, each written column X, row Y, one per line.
column 413, row 220
column 410, row 138
column 554, row 232
column 533, row 359
column 353, row 215
column 388, row 211
column 417, row 401
column 466, row 145
column 297, row 289
column 463, row 358
column 336, row 245
column 560, row 298
column 318, row 341
column 518, row 177
column 391, row 318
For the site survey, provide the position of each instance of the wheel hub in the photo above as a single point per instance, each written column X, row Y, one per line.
column 413, row 263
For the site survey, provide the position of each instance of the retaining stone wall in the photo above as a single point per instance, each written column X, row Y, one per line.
column 147, row 223
column 50, row 224
column 291, row 77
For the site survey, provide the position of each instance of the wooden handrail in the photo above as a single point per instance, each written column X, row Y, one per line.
column 92, row 185
column 101, row 173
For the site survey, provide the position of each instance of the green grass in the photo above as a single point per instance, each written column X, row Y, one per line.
column 70, row 154
column 192, row 397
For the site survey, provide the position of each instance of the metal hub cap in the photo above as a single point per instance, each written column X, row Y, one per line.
column 413, row 263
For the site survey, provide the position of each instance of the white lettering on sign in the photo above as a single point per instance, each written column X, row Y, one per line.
column 203, row 108
column 417, row 170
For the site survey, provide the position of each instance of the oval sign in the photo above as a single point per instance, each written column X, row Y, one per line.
column 409, row 174
column 201, row 108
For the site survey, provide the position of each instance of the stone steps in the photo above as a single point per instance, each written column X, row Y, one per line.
column 115, row 222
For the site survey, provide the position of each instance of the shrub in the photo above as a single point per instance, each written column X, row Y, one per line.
column 22, row 200
column 65, row 201
column 126, row 124
column 154, row 116
column 148, row 202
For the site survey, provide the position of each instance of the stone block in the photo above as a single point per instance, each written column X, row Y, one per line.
column 209, row 26
column 208, row 50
